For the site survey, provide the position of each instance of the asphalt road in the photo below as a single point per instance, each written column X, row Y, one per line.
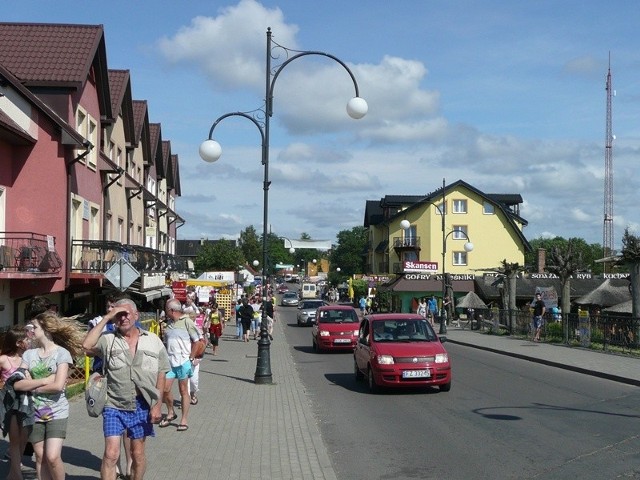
column 503, row 418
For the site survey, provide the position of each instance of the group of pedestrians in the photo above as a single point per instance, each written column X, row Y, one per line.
column 140, row 369
column 34, row 365
column 249, row 314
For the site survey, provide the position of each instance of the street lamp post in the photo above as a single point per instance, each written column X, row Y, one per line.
column 210, row 151
column 468, row 246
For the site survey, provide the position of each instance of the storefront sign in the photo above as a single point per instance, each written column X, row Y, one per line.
column 420, row 267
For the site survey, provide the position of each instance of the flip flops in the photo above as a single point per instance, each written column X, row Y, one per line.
column 167, row 420
column 182, row 428
column 194, row 400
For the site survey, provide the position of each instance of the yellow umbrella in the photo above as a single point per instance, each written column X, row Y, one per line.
column 350, row 289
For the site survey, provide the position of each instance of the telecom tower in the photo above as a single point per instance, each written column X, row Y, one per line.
column 607, row 237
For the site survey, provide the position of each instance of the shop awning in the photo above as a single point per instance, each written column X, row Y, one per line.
column 432, row 284
column 154, row 293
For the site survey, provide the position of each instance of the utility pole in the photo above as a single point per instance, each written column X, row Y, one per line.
column 607, row 235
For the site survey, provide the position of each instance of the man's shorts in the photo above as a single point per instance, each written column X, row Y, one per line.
column 51, row 429
column 136, row 422
column 181, row 371
column 538, row 322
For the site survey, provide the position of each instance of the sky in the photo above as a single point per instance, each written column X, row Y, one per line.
column 508, row 96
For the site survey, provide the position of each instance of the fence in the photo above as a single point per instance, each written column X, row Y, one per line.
column 600, row 331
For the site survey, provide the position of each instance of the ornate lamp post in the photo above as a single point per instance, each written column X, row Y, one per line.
column 210, row 151
column 468, row 246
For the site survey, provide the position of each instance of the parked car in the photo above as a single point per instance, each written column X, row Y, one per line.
column 289, row 299
column 283, row 288
column 307, row 311
column 401, row 350
column 335, row 328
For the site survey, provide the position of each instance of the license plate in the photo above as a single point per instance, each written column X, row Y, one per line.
column 342, row 340
column 416, row 373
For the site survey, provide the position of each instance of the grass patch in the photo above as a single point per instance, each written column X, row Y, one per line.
column 74, row 389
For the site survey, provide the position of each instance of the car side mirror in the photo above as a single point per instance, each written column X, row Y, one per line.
column 443, row 339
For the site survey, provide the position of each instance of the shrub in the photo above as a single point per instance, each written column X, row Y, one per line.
column 554, row 332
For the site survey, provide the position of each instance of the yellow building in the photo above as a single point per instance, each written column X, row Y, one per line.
column 406, row 233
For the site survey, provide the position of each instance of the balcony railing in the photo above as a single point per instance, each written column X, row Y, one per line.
column 28, row 252
column 406, row 242
column 97, row 256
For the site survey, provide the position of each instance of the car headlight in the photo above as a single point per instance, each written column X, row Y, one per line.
column 442, row 358
column 324, row 333
column 385, row 360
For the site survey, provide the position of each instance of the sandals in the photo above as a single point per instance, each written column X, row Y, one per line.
column 167, row 420
column 194, row 400
column 182, row 428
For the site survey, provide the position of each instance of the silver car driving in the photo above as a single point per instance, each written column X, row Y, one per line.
column 307, row 311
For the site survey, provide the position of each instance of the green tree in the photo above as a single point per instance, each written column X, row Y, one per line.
column 348, row 253
column 565, row 261
column 277, row 252
column 218, row 255
column 250, row 244
column 630, row 257
column 589, row 252
column 507, row 281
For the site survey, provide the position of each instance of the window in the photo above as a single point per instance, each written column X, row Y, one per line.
column 94, row 224
column 92, row 137
column 459, row 206
column 459, row 258
column 410, row 235
column 460, row 232
column 441, row 207
column 488, row 208
column 120, row 230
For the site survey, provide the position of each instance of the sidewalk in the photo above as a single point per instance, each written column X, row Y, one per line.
column 238, row 430
column 620, row 368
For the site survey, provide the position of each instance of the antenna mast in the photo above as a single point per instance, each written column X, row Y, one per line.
column 607, row 237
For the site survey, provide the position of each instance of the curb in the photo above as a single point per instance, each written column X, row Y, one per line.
column 607, row 376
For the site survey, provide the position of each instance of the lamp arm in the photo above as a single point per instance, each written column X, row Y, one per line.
column 295, row 57
column 237, row 114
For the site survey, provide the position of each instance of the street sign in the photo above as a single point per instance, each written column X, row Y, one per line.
column 121, row 274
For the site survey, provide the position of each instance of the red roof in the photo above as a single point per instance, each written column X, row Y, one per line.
column 41, row 54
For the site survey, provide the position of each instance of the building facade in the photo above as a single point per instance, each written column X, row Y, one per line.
column 457, row 230
column 86, row 181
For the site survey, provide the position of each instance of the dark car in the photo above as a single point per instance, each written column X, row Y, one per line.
column 307, row 311
column 335, row 328
column 401, row 350
column 289, row 299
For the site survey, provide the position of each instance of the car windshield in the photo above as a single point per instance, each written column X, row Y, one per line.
column 338, row 316
column 311, row 305
column 403, row 331
column 290, row 295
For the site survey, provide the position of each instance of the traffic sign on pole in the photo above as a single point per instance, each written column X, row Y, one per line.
column 121, row 274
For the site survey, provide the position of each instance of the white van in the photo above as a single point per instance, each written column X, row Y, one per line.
column 308, row 290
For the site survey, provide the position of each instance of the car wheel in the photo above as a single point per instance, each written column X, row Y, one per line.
column 373, row 386
column 445, row 387
column 314, row 345
column 359, row 375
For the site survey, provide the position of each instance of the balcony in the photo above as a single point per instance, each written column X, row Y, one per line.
column 401, row 244
column 94, row 257
column 28, row 255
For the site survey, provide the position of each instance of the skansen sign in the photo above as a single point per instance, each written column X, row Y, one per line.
column 420, row 267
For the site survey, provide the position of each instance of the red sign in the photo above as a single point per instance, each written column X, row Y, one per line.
column 421, row 267
column 180, row 290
